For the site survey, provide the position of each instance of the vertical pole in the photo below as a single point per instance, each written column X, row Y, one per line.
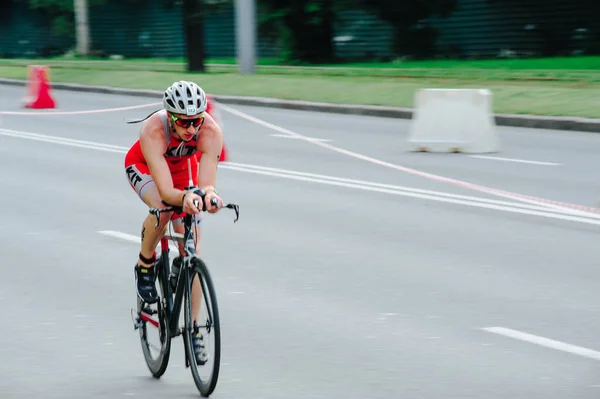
column 245, row 22
column 82, row 27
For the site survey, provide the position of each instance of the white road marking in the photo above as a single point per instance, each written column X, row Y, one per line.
column 366, row 184
column 84, row 112
column 64, row 141
column 136, row 239
column 287, row 136
column 513, row 209
column 545, row 342
column 536, row 209
column 120, row 235
column 431, row 176
column 515, row 160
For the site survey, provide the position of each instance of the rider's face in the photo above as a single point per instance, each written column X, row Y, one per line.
column 187, row 126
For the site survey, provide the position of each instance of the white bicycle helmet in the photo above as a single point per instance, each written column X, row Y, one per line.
column 185, row 98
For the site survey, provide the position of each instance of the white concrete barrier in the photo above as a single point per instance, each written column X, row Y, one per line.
column 453, row 120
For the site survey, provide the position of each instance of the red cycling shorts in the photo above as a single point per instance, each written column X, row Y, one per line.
column 140, row 179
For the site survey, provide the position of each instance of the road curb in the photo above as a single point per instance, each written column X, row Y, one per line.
column 527, row 121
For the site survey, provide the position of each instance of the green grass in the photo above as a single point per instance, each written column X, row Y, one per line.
column 570, row 63
column 564, row 87
column 571, row 69
column 584, row 62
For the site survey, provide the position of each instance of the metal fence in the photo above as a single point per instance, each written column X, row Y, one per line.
column 477, row 28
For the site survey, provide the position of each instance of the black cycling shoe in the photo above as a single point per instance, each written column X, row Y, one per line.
column 199, row 348
column 145, row 278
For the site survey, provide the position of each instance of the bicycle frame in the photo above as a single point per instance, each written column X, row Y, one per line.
column 173, row 304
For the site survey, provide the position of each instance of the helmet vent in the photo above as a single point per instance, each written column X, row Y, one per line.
column 185, row 98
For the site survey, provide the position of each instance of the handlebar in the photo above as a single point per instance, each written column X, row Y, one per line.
column 202, row 194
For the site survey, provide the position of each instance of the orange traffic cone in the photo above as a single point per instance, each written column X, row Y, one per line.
column 39, row 96
column 214, row 112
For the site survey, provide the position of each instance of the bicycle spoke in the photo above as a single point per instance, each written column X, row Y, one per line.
column 209, row 325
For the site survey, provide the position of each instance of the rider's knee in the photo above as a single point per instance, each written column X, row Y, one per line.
column 164, row 220
column 196, row 221
column 152, row 199
column 165, row 217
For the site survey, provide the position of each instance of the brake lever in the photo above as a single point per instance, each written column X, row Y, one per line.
column 236, row 208
column 213, row 201
column 156, row 212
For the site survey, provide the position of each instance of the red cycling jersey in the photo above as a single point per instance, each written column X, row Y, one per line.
column 177, row 154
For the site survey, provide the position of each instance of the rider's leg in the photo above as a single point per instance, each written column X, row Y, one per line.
column 198, row 344
column 142, row 183
column 145, row 274
column 181, row 180
column 196, row 287
column 198, row 340
column 150, row 234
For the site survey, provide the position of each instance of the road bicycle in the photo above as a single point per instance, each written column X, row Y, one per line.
column 164, row 319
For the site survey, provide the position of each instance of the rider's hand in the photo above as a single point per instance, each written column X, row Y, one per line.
column 188, row 203
column 208, row 199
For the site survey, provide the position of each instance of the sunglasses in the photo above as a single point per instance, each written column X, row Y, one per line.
column 188, row 122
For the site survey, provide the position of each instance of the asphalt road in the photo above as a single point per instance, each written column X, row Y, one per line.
column 341, row 279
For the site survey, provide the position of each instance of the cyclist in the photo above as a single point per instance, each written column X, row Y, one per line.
column 157, row 169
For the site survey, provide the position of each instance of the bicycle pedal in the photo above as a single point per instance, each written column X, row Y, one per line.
column 137, row 322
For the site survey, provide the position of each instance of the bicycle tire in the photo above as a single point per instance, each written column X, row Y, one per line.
column 158, row 366
column 208, row 292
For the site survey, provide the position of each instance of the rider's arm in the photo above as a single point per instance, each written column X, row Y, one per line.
column 152, row 141
column 210, row 146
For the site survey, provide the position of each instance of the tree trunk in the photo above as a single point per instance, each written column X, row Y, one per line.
column 193, row 23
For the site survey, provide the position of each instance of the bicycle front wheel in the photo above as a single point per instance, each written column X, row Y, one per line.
column 207, row 324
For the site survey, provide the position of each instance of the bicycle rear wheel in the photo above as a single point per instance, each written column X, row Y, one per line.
column 153, row 321
column 209, row 326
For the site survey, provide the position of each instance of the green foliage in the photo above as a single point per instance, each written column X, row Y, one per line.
column 52, row 5
column 61, row 13
column 214, row 6
column 58, row 6
column 303, row 29
column 412, row 35
column 567, row 36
